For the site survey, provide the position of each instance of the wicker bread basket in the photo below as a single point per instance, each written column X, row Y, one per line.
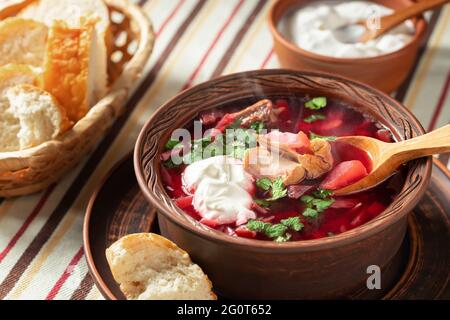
column 27, row 171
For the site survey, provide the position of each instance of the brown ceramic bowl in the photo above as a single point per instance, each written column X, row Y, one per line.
column 245, row 268
column 385, row 72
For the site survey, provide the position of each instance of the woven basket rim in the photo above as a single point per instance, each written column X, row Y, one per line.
column 120, row 87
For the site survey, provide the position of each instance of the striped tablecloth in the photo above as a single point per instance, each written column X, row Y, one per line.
column 41, row 253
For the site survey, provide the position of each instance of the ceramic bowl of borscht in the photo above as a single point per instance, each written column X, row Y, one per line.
column 242, row 170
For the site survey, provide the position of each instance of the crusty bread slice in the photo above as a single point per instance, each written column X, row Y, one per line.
column 47, row 11
column 150, row 267
column 30, row 117
column 9, row 8
column 74, row 12
column 12, row 75
column 9, row 128
column 69, row 69
column 22, row 41
column 15, row 74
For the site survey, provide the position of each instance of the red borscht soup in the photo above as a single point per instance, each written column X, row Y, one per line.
column 268, row 170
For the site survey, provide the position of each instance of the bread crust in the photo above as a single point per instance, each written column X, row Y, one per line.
column 66, row 71
column 134, row 243
column 73, row 12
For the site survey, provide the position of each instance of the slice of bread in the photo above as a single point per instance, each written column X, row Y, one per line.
column 74, row 12
column 150, row 267
column 69, row 69
column 15, row 74
column 30, row 116
column 22, row 41
column 12, row 75
column 9, row 128
column 9, row 8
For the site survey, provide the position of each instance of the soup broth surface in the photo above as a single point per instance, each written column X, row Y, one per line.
column 304, row 210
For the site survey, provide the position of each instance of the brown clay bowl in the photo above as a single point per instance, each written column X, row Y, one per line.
column 385, row 72
column 331, row 267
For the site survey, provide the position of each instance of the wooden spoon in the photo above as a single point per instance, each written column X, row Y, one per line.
column 387, row 157
column 359, row 31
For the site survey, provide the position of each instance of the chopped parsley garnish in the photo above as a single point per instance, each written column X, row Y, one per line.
column 237, row 142
column 310, row 213
column 258, row 126
column 264, row 184
column 283, row 238
column 171, row 144
column 316, row 103
column 234, row 142
column 278, row 190
column 277, row 187
column 277, row 232
column 316, row 203
column 262, row 203
column 169, row 164
column 293, row 223
column 235, row 124
column 322, row 204
column 313, row 136
column 314, row 117
column 197, row 147
column 257, row 225
column 322, row 193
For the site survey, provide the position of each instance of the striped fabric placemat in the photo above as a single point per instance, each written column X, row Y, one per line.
column 41, row 253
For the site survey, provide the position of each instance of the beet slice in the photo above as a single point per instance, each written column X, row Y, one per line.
column 226, row 121
column 344, row 174
column 244, row 232
column 209, row 223
column 184, row 202
column 329, row 125
column 344, row 203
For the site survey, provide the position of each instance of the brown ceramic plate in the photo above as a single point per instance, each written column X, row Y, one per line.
column 420, row 270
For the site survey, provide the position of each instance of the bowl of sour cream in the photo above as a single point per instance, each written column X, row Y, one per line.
column 304, row 39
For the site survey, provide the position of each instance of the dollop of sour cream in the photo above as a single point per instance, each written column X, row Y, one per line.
column 221, row 190
column 311, row 27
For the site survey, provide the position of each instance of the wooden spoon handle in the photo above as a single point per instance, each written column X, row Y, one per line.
column 435, row 142
column 389, row 22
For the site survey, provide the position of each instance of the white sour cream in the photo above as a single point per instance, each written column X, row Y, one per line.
column 221, row 189
column 311, row 27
